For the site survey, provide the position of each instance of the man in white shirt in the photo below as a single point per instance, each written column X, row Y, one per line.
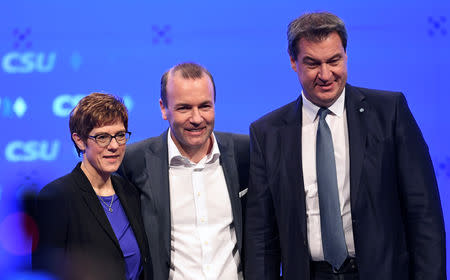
column 192, row 182
column 341, row 182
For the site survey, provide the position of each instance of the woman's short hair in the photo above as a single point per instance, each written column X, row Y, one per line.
column 96, row 110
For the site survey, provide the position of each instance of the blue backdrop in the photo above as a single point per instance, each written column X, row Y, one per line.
column 54, row 52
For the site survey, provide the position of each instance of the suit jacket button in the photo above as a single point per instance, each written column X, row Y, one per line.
column 145, row 259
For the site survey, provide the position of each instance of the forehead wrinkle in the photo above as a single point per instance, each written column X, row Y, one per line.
column 320, row 53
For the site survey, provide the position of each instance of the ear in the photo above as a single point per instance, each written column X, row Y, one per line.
column 79, row 142
column 293, row 63
column 163, row 110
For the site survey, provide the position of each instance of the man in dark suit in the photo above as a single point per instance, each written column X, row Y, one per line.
column 192, row 182
column 341, row 182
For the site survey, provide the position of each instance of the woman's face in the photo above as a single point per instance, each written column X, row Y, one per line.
column 104, row 160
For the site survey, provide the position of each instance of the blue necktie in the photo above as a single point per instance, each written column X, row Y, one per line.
column 333, row 240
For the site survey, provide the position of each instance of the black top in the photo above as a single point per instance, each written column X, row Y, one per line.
column 76, row 240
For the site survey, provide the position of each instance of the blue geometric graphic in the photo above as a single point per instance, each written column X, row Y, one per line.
column 437, row 25
column 9, row 108
column 128, row 101
column 21, row 38
column 443, row 168
column 20, row 107
column 6, row 107
column 75, row 61
column 161, row 34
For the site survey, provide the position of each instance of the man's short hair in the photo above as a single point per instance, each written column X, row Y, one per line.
column 188, row 70
column 314, row 27
column 96, row 110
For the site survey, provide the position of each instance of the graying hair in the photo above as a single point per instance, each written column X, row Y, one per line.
column 314, row 27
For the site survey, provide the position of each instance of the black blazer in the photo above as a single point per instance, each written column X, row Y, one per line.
column 76, row 240
column 396, row 211
column 146, row 166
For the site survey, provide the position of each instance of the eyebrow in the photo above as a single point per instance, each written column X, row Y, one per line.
column 102, row 133
column 181, row 104
column 206, row 103
column 336, row 56
column 190, row 105
column 309, row 58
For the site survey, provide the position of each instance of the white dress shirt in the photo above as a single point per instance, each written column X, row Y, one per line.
column 202, row 231
column 337, row 121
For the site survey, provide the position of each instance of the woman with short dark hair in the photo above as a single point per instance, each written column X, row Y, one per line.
column 90, row 226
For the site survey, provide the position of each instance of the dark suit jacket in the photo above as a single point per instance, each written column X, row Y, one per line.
column 146, row 166
column 396, row 212
column 76, row 240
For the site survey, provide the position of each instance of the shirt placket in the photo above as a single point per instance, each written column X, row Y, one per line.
column 201, row 209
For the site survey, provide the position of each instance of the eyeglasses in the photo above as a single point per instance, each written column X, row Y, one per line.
column 104, row 139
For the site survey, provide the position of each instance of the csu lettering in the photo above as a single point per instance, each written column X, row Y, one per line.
column 27, row 62
column 63, row 104
column 32, row 150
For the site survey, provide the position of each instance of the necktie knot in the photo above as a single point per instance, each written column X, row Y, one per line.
column 323, row 112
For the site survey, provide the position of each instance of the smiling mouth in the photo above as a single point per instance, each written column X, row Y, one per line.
column 198, row 129
column 111, row 157
column 325, row 86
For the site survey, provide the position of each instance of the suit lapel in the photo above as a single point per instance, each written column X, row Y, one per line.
column 357, row 110
column 291, row 135
column 157, row 162
column 93, row 203
column 231, row 174
column 131, row 210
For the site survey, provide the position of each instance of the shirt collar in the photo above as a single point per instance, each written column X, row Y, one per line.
column 310, row 109
column 176, row 158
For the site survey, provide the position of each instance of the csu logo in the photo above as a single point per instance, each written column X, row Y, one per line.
column 63, row 104
column 27, row 62
column 19, row 151
column 22, row 60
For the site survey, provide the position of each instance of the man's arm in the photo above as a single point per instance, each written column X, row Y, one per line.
column 261, row 236
column 420, row 200
column 241, row 147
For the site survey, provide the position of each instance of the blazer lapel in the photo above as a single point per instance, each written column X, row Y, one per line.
column 227, row 160
column 93, row 203
column 291, row 135
column 131, row 211
column 357, row 110
column 158, row 164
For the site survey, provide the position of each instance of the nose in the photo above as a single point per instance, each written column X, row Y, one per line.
column 325, row 73
column 113, row 144
column 196, row 117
